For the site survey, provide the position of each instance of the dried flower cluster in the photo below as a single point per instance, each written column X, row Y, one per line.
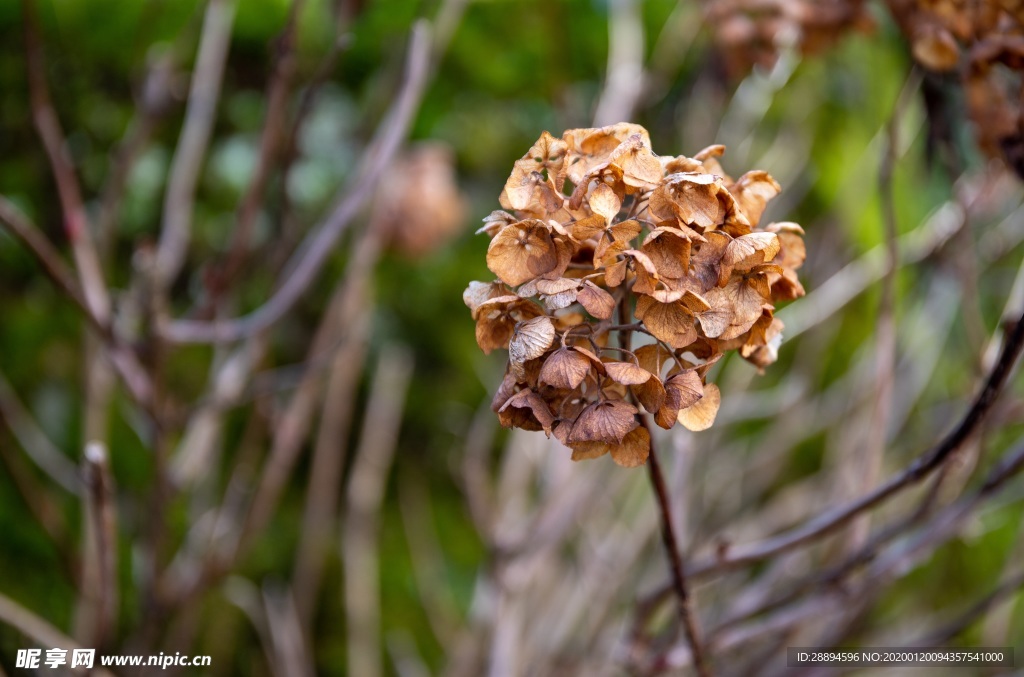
column 749, row 32
column 666, row 248
column 420, row 206
column 983, row 42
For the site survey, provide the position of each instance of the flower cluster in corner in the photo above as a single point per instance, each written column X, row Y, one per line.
column 601, row 241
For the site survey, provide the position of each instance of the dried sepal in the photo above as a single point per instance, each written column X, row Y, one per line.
column 565, row 368
column 634, row 450
column 530, row 340
column 527, row 410
column 496, row 320
column 701, row 415
column 596, row 301
column 669, row 322
column 607, row 421
column 682, row 390
column 627, row 373
column 522, row 251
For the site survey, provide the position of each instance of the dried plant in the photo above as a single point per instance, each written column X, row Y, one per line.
column 982, row 43
column 668, row 247
column 751, row 32
column 421, row 207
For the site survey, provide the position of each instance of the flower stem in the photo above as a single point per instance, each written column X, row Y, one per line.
column 668, row 538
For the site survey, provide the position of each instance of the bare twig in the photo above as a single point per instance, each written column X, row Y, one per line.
column 43, row 452
column 76, row 222
column 124, row 360
column 195, row 137
column 370, row 470
column 319, row 527
column 278, row 89
column 97, row 610
column 37, row 629
column 668, row 537
column 922, row 467
column 307, row 262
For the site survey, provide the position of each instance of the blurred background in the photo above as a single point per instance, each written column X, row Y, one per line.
column 322, row 488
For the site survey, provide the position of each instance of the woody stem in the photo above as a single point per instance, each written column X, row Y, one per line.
column 668, row 533
column 668, row 538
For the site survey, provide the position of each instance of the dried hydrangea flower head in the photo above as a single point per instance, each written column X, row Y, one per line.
column 982, row 43
column 622, row 277
column 752, row 32
column 420, row 206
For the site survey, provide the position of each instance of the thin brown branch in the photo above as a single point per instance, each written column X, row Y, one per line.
column 47, row 124
column 200, row 115
column 96, row 616
column 679, row 582
column 278, row 90
column 132, row 373
column 921, row 468
column 307, row 262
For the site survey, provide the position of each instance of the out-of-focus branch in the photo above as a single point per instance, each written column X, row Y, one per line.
column 624, row 81
column 274, row 124
column 307, row 262
column 290, row 651
column 76, row 223
column 38, row 630
column 319, row 527
column 96, row 614
column 370, row 469
column 34, row 441
column 124, row 360
column 922, row 467
column 200, row 115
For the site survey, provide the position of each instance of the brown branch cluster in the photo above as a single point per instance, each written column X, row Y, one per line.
column 675, row 242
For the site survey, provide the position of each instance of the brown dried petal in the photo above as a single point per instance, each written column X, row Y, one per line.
column 607, row 421
column 526, row 409
column 707, row 262
column 690, row 197
column 652, row 357
column 478, row 293
column 495, row 221
column 634, row 450
column 530, row 340
column 522, row 251
column 651, row 394
column 681, row 390
column 565, row 369
column 626, row 373
column 597, row 301
column 621, row 237
column 747, row 251
column 669, row 250
column 585, row 451
column 593, row 146
column 640, row 167
column 752, row 191
column 670, row 322
column 701, row 416
column 604, row 202
column 496, row 320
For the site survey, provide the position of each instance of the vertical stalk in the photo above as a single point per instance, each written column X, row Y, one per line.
column 668, row 538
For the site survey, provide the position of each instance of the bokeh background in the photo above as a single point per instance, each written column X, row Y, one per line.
column 403, row 532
